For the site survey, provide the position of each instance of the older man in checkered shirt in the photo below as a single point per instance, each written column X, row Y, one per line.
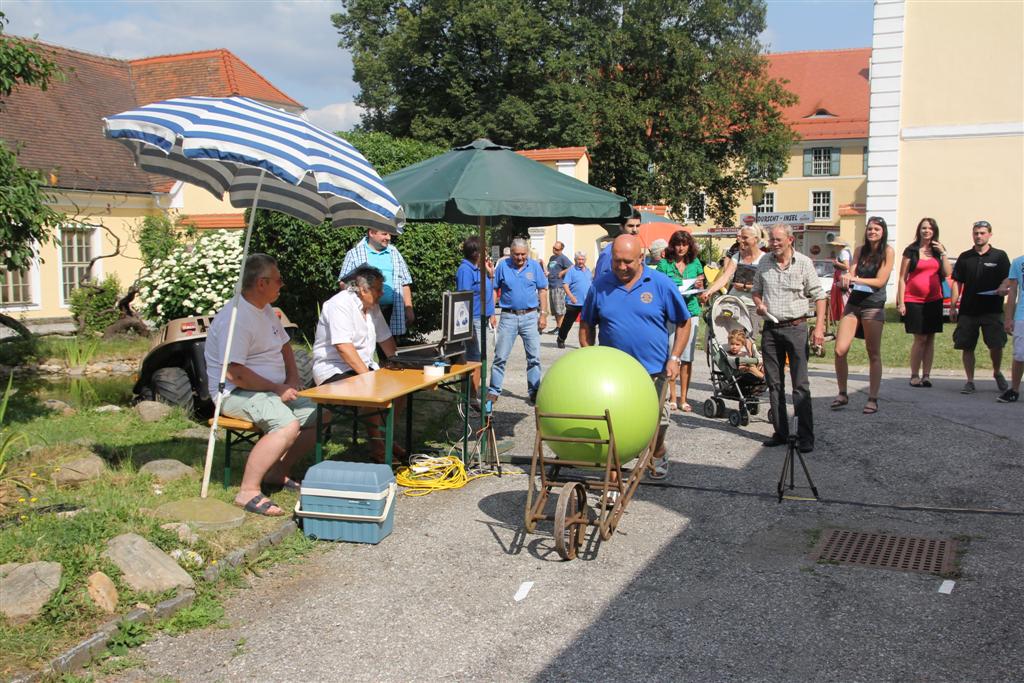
column 784, row 288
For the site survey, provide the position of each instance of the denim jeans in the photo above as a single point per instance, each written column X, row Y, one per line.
column 510, row 326
column 776, row 344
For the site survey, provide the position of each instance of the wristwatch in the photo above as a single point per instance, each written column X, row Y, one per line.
column 675, row 358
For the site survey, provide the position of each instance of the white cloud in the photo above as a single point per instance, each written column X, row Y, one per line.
column 341, row 116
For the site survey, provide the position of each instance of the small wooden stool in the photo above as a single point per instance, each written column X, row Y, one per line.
column 238, row 431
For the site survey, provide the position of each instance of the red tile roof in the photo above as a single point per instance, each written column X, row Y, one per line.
column 833, row 80
column 60, row 131
column 555, row 154
column 217, row 73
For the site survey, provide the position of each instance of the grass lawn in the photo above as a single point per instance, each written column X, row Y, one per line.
column 120, row 501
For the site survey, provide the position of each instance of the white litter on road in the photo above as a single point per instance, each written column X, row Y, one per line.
column 524, row 590
column 947, row 587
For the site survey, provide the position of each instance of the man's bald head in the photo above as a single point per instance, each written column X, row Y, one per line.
column 627, row 257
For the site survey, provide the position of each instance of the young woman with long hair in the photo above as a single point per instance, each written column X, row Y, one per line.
column 919, row 297
column 681, row 263
column 872, row 264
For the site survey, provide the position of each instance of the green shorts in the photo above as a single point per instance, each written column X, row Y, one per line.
column 267, row 411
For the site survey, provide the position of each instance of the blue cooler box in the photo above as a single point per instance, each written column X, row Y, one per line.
column 347, row 501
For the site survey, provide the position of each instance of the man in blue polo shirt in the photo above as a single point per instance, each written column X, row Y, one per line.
column 632, row 307
column 575, row 284
column 520, row 288
column 630, row 226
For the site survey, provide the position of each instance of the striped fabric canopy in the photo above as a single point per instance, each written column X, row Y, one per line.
column 223, row 143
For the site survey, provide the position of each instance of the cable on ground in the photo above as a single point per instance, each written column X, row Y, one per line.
column 428, row 473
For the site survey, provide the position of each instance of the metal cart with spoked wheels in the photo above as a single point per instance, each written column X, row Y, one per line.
column 574, row 479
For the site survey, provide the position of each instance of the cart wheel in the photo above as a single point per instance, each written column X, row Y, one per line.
column 744, row 418
column 710, row 408
column 771, row 416
column 719, row 407
column 754, row 408
column 734, row 418
column 570, row 519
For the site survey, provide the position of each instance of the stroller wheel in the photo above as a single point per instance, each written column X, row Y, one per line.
column 744, row 418
column 754, row 408
column 734, row 418
column 710, row 408
column 771, row 416
column 719, row 407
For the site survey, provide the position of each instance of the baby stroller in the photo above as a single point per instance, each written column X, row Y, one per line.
column 727, row 380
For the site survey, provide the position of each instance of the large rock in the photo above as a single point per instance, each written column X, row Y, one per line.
column 26, row 588
column 103, row 592
column 152, row 411
column 166, row 470
column 59, row 407
column 79, row 470
column 144, row 566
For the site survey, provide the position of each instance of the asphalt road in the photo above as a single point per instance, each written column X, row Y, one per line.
column 708, row 577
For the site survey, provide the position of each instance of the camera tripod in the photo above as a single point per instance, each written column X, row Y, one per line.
column 789, row 468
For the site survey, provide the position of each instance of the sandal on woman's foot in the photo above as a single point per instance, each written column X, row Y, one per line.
column 685, row 407
column 840, row 401
column 925, row 382
column 261, row 505
column 916, row 381
column 871, row 407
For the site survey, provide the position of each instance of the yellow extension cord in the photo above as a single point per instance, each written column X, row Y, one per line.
column 427, row 474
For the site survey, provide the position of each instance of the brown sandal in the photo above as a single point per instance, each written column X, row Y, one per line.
column 840, row 401
column 870, row 409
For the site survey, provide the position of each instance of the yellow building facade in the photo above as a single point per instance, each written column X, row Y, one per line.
column 947, row 120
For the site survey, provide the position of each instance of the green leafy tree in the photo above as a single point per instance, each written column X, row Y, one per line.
column 673, row 96
column 450, row 71
column 95, row 306
column 310, row 257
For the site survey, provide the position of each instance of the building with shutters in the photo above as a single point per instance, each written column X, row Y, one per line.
column 94, row 181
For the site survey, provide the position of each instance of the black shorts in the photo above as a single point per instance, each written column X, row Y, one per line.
column 965, row 336
column 923, row 318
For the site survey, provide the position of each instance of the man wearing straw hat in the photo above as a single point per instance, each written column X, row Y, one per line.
column 262, row 384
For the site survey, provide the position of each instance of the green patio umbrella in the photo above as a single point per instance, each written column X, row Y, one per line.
column 484, row 180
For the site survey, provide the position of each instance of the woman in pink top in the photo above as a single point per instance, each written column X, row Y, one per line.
column 919, row 297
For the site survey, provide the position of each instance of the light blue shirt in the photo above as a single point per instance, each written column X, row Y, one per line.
column 519, row 288
column 579, row 280
column 382, row 261
column 1017, row 274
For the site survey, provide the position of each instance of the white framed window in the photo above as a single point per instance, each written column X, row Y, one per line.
column 821, row 161
column 767, row 204
column 821, row 204
column 77, row 248
column 15, row 288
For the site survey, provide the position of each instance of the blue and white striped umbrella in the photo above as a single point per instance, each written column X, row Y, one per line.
column 225, row 143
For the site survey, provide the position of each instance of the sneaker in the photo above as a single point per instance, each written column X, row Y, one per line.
column 531, row 400
column 1008, row 396
column 968, row 388
column 1001, row 382
column 559, row 343
column 660, row 468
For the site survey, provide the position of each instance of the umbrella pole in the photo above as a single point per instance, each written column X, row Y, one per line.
column 211, row 440
column 484, row 381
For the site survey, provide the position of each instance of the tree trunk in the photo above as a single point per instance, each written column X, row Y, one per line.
column 8, row 321
column 124, row 325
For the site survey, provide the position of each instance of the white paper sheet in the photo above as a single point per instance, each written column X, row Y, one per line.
column 947, row 587
column 524, row 590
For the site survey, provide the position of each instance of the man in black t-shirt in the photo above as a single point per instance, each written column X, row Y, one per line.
column 558, row 264
column 978, row 274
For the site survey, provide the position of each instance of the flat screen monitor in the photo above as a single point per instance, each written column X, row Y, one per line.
column 457, row 316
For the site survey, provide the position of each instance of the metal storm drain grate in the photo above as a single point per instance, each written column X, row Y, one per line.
column 904, row 553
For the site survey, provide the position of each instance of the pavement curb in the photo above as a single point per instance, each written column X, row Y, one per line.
column 84, row 652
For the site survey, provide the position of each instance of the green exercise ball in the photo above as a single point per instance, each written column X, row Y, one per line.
column 585, row 382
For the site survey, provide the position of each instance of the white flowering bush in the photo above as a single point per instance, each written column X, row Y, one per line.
column 194, row 279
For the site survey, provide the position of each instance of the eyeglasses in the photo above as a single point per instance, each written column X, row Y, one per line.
column 982, row 224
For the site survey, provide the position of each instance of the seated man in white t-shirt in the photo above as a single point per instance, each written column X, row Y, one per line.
column 351, row 326
column 262, row 384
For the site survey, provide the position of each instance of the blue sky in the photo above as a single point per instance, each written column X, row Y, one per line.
column 294, row 44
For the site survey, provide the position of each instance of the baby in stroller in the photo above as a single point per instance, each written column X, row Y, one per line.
column 737, row 373
column 744, row 351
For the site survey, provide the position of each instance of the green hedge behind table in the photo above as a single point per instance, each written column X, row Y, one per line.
column 310, row 258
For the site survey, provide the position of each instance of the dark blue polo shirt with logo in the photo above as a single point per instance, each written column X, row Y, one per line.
column 635, row 320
